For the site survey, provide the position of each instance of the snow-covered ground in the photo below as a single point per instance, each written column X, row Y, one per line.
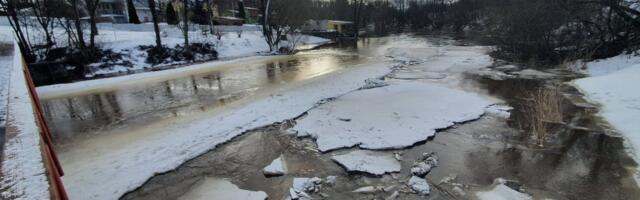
column 23, row 172
column 127, row 39
column 230, row 45
column 5, row 69
column 613, row 84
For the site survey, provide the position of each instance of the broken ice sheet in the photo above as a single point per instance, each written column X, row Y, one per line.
column 276, row 168
column 419, row 185
column 392, row 117
column 376, row 163
column 221, row 189
column 502, row 192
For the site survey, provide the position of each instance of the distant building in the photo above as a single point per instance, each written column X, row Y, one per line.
column 116, row 11
column 341, row 27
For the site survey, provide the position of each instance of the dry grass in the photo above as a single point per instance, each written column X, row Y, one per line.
column 542, row 108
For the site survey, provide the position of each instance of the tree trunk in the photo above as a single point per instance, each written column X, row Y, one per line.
column 133, row 15
column 78, row 25
column 154, row 16
column 185, row 21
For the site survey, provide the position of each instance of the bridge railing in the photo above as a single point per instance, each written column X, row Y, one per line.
column 29, row 168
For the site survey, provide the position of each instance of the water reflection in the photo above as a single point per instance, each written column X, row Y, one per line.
column 79, row 116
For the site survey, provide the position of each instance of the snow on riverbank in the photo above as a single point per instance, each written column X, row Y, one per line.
column 230, row 45
column 391, row 117
column 617, row 93
column 110, row 164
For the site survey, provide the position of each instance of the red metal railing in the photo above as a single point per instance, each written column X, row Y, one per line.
column 52, row 164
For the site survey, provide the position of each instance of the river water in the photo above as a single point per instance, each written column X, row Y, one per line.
column 582, row 160
column 73, row 118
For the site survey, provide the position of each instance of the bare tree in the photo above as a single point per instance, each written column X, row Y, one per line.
column 92, row 7
column 11, row 7
column 185, row 24
column 154, row 16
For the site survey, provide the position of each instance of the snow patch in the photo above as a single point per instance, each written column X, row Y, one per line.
column 375, row 163
column 617, row 93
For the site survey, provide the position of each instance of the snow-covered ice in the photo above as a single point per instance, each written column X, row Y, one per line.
column 533, row 74
column 112, row 163
column 276, row 168
column 395, row 116
column 376, row 163
column 212, row 188
column 419, row 185
column 499, row 110
column 618, row 94
column 502, row 192
column 302, row 187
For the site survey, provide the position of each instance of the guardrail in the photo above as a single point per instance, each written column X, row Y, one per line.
column 29, row 167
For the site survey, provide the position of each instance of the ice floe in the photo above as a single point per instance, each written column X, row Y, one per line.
column 419, row 185
column 396, row 116
column 221, row 189
column 276, row 168
column 375, row 163
column 502, row 192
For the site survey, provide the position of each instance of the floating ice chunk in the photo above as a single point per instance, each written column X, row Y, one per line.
column 330, row 180
column 394, row 195
column 375, row 163
column 374, row 83
column 502, row 192
column 368, row 189
column 396, row 116
column 503, row 111
column 421, row 169
column 533, row 74
column 310, row 185
column 423, row 166
column 221, row 189
column 276, row 168
column 419, row 185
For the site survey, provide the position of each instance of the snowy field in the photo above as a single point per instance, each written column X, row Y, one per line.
column 231, row 44
column 23, row 172
column 613, row 84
